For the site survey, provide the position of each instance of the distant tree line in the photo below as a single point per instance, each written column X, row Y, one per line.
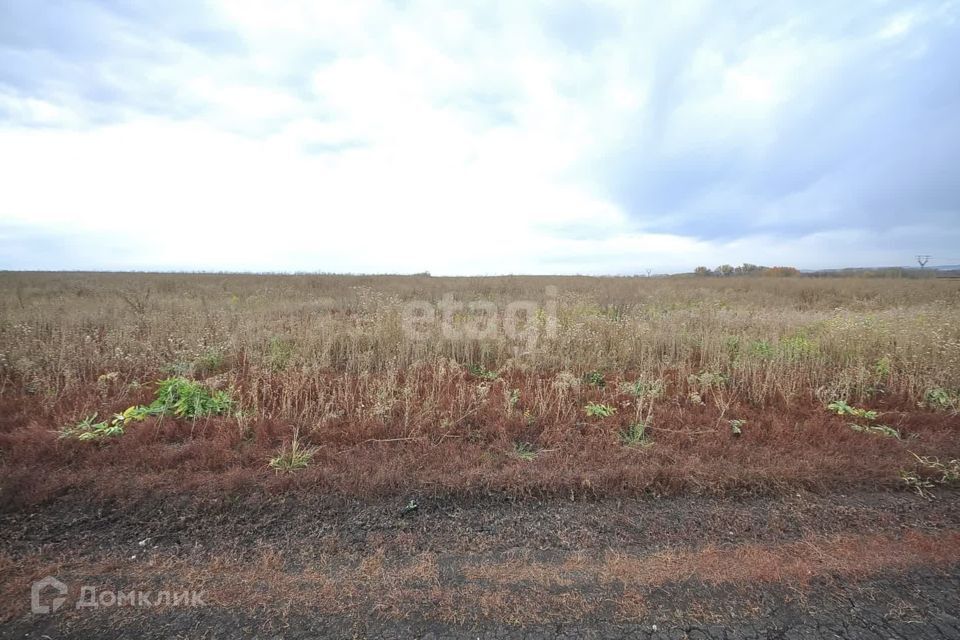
column 880, row 272
column 747, row 269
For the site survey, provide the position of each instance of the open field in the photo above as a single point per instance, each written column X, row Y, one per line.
column 391, row 456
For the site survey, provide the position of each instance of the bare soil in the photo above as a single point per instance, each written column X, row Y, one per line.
column 862, row 564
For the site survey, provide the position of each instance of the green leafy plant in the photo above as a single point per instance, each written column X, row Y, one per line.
column 841, row 408
column 867, row 417
column 208, row 363
column 89, row 429
column 701, row 383
column 761, row 349
column 132, row 414
column 883, row 368
column 482, row 372
column 736, row 426
column 176, row 397
column 797, row 347
column 595, row 378
column 293, row 457
column 636, row 435
column 598, row 410
column 524, row 451
column 184, row 398
column 280, row 353
column 732, row 345
column 941, row 399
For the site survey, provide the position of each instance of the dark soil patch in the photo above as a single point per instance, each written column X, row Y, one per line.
column 239, row 525
column 495, row 567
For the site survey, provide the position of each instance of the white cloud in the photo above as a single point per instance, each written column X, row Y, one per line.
column 381, row 136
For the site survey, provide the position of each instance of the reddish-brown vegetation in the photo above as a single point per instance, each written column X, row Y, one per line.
column 691, row 448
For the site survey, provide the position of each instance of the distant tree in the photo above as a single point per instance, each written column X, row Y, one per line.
column 746, row 269
column 783, row 272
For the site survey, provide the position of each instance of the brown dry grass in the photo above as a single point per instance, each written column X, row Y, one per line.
column 60, row 332
column 327, row 355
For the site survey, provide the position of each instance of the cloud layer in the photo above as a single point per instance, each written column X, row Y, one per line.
column 554, row 137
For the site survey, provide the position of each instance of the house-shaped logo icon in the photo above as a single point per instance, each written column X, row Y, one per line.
column 37, row 595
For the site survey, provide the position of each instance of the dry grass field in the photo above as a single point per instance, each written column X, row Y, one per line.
column 722, row 383
column 531, row 415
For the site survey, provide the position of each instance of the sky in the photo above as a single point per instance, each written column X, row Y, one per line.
column 477, row 138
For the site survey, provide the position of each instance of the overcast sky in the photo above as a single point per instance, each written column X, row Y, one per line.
column 477, row 138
